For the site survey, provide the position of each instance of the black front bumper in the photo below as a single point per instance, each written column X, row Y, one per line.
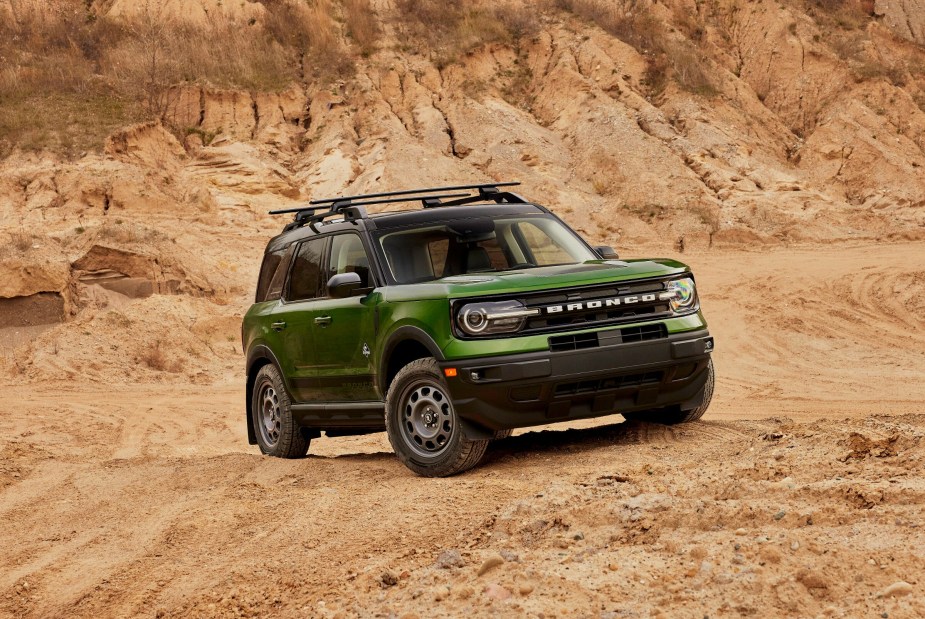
column 515, row 391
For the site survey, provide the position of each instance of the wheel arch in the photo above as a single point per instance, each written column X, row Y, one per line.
column 405, row 345
column 259, row 357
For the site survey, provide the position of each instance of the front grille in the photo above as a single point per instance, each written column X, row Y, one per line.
column 626, row 335
column 599, row 316
column 613, row 382
column 643, row 333
column 573, row 342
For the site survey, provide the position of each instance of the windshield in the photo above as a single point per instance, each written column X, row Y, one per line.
column 480, row 245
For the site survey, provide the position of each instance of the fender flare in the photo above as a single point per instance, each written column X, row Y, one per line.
column 402, row 334
column 262, row 354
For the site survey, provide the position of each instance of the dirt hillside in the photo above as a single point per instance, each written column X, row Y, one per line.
column 776, row 147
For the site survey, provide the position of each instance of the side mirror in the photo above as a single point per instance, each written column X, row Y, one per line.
column 344, row 285
column 606, row 252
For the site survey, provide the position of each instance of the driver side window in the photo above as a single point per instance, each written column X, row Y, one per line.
column 349, row 256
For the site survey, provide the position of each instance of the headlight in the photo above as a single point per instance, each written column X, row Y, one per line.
column 493, row 317
column 680, row 294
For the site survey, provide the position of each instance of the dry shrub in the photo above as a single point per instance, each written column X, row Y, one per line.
column 628, row 20
column 874, row 68
column 450, row 30
column 845, row 14
column 308, row 30
column 632, row 22
column 362, row 25
column 156, row 358
column 688, row 67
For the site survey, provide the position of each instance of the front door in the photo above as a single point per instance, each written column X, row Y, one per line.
column 344, row 329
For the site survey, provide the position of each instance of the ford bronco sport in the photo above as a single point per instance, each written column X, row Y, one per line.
column 450, row 325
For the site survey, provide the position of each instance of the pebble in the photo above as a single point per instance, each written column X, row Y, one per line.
column 525, row 588
column 613, row 567
column 780, row 515
column 496, row 592
column 490, row 563
column 578, row 536
column 449, row 558
column 741, row 532
column 794, row 546
column 388, row 579
column 441, row 593
column 510, row 556
column 897, row 589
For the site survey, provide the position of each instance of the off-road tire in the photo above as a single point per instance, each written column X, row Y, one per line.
column 674, row 415
column 270, row 406
column 502, row 434
column 422, row 425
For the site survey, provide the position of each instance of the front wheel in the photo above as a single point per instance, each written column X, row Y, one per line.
column 277, row 432
column 672, row 415
column 422, row 424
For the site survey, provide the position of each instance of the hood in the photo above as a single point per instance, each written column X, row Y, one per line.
column 538, row 278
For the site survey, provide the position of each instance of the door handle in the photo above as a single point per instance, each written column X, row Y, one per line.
column 323, row 321
column 278, row 326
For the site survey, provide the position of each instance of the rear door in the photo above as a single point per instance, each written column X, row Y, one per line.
column 293, row 319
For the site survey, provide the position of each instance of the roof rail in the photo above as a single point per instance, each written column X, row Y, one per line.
column 406, row 192
column 351, row 207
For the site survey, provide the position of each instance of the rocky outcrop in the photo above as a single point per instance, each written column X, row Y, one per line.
column 904, row 17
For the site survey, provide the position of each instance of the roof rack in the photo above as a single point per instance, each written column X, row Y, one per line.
column 351, row 207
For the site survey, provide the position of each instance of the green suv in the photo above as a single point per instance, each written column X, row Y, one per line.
column 449, row 325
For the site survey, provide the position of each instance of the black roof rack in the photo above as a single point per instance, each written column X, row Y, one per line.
column 351, row 207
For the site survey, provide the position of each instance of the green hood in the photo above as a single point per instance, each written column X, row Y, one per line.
column 540, row 278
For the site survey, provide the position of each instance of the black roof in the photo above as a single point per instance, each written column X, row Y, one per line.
column 400, row 219
column 327, row 215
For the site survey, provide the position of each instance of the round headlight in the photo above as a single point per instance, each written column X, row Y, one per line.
column 473, row 319
column 493, row 317
column 681, row 293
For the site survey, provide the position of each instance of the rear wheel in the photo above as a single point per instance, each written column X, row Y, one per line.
column 277, row 432
column 422, row 424
column 673, row 415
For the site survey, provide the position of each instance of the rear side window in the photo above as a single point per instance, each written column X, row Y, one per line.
column 305, row 280
column 271, row 263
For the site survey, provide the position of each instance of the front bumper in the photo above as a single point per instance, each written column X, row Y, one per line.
column 515, row 391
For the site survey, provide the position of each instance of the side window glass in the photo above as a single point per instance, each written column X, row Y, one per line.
column 305, row 281
column 275, row 286
column 267, row 270
column 349, row 256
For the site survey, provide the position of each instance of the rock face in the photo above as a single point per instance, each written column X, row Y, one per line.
column 904, row 17
column 799, row 136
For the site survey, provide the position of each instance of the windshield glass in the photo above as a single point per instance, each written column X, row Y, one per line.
column 480, row 245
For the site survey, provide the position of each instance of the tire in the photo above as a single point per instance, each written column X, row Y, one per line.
column 673, row 415
column 502, row 434
column 277, row 432
column 422, row 424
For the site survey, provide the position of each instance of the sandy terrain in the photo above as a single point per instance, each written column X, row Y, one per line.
column 801, row 493
column 775, row 146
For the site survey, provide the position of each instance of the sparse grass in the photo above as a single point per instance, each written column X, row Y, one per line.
column 362, row 25
column 872, row 69
column 447, row 31
column 667, row 59
column 70, row 76
column 22, row 241
column 844, row 14
column 205, row 136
